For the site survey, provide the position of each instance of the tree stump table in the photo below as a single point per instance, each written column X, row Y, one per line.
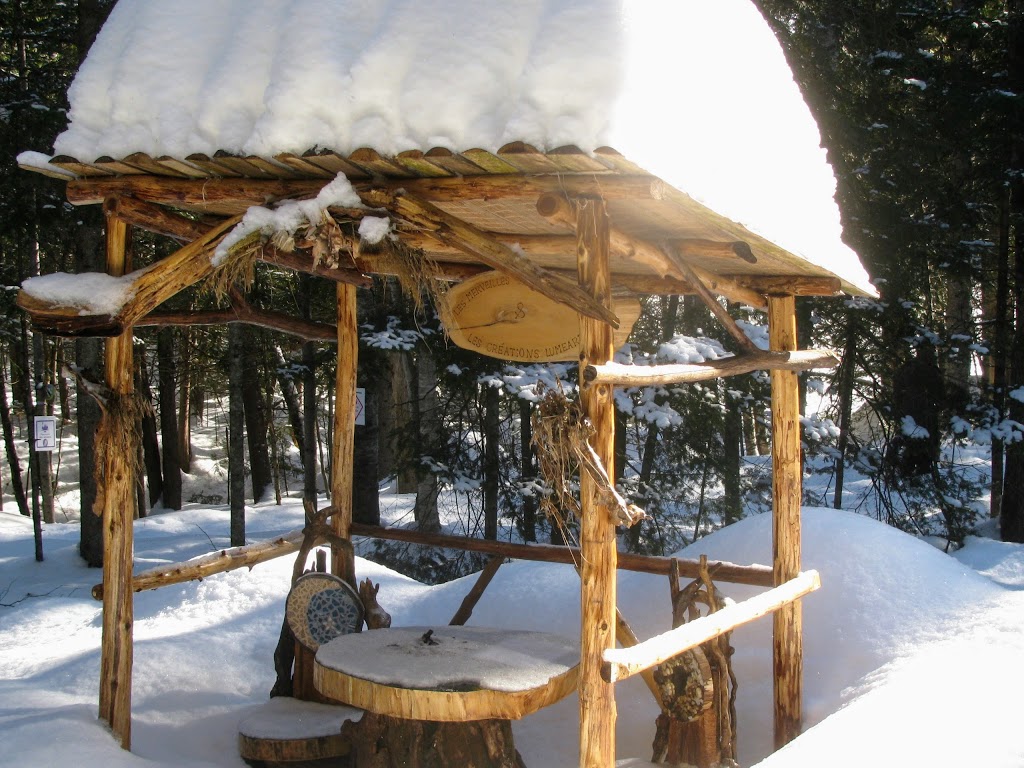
column 443, row 696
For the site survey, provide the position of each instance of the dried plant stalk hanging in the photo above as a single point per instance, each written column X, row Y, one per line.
column 561, row 436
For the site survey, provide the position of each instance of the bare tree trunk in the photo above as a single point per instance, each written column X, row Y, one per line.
column 492, row 466
column 429, row 434
column 998, row 315
column 405, row 386
column 526, row 469
column 366, row 491
column 960, row 331
column 308, row 403
column 13, row 462
column 150, row 444
column 286, row 383
column 168, row 419
column 731, row 439
column 1011, row 523
column 261, row 474
column 846, row 381
column 89, row 360
column 184, row 430
column 236, row 436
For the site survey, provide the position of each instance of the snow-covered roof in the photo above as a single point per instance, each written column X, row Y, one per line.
column 696, row 92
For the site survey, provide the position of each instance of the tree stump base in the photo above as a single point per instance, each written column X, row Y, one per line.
column 381, row 741
column 687, row 742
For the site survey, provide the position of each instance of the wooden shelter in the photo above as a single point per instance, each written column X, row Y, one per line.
column 577, row 228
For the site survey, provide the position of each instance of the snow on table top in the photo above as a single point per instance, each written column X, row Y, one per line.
column 458, row 658
column 696, row 92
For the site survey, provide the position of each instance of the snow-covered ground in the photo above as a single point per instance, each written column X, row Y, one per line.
column 913, row 656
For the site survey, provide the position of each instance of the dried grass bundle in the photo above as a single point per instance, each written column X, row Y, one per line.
column 237, row 268
column 561, row 437
column 415, row 272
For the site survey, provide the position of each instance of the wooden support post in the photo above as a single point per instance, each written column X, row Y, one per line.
column 597, row 524
column 786, row 497
column 342, row 558
column 117, row 514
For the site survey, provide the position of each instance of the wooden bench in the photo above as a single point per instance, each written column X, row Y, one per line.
column 291, row 731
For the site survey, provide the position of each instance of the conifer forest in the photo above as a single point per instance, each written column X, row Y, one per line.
column 920, row 104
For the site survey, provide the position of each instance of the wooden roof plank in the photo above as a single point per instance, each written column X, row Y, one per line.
column 488, row 161
column 526, row 158
column 452, row 162
column 417, row 163
column 243, row 166
column 143, row 163
column 180, row 167
column 212, row 166
column 303, row 166
column 373, row 163
column 574, row 160
column 79, row 168
column 334, row 164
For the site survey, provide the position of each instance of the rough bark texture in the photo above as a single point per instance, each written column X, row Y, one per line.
column 170, row 457
column 150, row 439
column 379, row 741
column 236, row 429
column 426, row 514
column 597, row 526
column 492, row 435
column 254, row 407
column 786, row 498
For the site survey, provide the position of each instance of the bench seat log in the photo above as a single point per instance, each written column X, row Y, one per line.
column 289, row 730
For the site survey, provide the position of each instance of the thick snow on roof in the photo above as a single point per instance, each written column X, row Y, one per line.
column 695, row 91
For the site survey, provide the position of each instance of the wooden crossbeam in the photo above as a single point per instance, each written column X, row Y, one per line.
column 151, row 286
column 241, row 311
column 619, row 375
column 467, row 238
column 709, row 299
column 621, row 663
column 556, row 208
column 241, row 192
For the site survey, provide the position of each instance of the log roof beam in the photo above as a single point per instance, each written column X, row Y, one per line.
column 455, row 232
column 243, row 192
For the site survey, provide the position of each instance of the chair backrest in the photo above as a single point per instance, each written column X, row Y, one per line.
column 320, row 607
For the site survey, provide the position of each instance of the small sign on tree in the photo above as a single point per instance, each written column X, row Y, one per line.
column 45, row 428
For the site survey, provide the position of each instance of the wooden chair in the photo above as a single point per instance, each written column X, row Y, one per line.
column 305, row 729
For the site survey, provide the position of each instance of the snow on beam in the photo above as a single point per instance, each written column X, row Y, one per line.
column 620, row 375
column 620, row 663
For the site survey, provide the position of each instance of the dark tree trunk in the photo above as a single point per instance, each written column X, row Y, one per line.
column 308, row 401
column 492, row 467
column 262, row 475
column 366, row 490
column 89, row 360
column 526, row 469
column 150, row 440
column 168, row 419
column 999, row 317
column 846, row 380
column 408, row 432
column 428, row 437
column 236, row 436
column 290, row 395
column 184, row 430
column 731, row 442
column 13, row 462
column 1011, row 523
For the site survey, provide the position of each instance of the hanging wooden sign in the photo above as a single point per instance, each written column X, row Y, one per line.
column 498, row 316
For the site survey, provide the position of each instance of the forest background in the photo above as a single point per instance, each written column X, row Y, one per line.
column 920, row 109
